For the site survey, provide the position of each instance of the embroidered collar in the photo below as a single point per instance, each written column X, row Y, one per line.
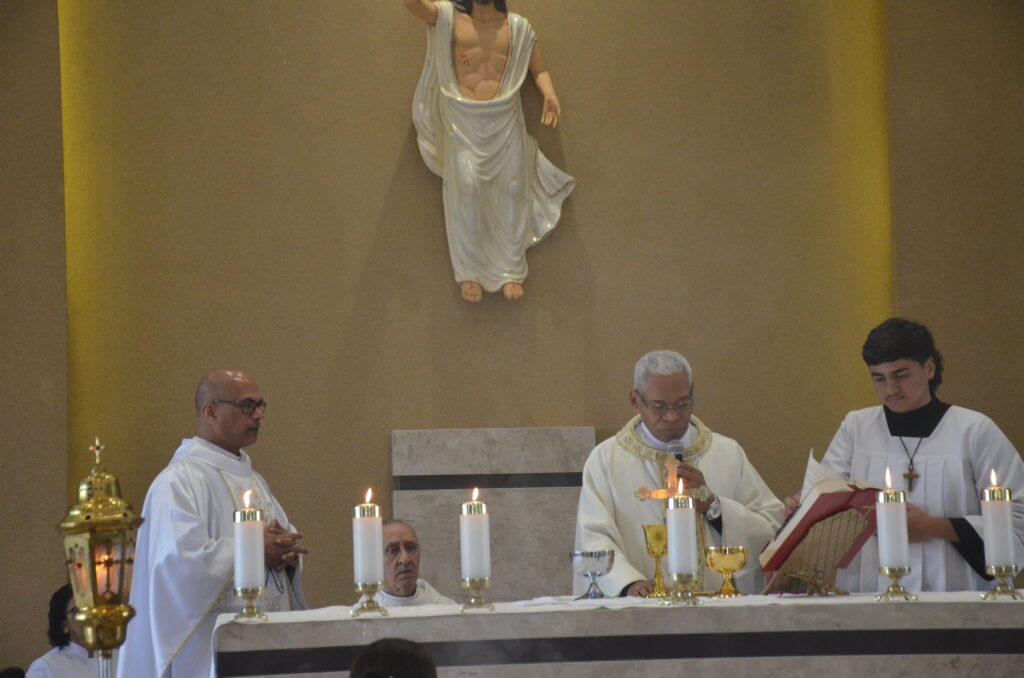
column 629, row 441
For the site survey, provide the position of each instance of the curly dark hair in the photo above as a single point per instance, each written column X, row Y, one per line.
column 466, row 6
column 394, row 658
column 58, row 611
column 899, row 339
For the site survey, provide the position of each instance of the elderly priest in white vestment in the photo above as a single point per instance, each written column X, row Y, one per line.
column 738, row 508
column 402, row 585
column 940, row 454
column 184, row 560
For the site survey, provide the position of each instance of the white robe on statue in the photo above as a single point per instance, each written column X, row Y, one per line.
column 954, row 464
column 70, row 661
column 425, row 595
column 184, row 561
column 501, row 195
column 610, row 516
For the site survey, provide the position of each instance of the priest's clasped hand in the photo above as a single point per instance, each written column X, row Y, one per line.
column 280, row 548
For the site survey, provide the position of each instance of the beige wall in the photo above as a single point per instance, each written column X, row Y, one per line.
column 243, row 188
column 33, row 340
column 957, row 94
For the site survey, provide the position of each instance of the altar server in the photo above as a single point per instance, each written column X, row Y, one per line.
column 738, row 510
column 184, row 562
column 940, row 454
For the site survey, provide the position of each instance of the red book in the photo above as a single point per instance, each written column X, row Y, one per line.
column 827, row 499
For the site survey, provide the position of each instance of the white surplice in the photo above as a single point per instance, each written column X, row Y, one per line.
column 70, row 661
column 610, row 516
column 425, row 595
column 501, row 194
column 184, row 561
column 954, row 464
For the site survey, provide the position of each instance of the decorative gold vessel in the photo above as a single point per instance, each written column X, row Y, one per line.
column 657, row 548
column 725, row 560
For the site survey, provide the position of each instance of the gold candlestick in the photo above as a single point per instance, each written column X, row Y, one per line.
column 657, row 547
column 895, row 590
column 682, row 591
column 368, row 588
column 476, row 585
column 250, row 613
column 1002, row 573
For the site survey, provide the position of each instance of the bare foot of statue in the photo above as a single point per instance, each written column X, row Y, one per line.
column 513, row 291
column 472, row 291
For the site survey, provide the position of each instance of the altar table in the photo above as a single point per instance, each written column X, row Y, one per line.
column 941, row 634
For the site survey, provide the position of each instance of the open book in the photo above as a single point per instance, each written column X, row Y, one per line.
column 828, row 528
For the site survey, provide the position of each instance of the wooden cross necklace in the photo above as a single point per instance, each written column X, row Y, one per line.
column 910, row 475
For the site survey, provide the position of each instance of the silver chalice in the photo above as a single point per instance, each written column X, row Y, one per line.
column 592, row 564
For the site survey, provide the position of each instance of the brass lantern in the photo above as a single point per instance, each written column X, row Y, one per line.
column 99, row 545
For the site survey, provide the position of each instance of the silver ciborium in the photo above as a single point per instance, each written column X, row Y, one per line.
column 592, row 564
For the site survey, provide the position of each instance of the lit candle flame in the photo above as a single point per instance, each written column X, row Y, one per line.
column 369, row 494
column 246, row 496
column 995, row 483
column 679, row 490
column 476, row 493
column 888, row 479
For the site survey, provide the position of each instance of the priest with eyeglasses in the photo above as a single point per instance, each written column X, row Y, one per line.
column 184, row 559
column 735, row 504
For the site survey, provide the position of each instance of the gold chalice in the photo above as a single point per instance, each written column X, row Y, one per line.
column 657, row 548
column 725, row 560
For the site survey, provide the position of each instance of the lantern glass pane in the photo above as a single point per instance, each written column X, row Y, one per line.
column 108, row 567
column 78, row 570
column 129, row 563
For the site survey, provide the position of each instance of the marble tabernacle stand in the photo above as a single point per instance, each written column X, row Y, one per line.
column 943, row 634
column 530, row 479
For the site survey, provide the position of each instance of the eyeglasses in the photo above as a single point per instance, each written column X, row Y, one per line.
column 247, row 406
column 661, row 409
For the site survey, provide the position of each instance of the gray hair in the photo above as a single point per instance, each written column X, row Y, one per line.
column 660, row 362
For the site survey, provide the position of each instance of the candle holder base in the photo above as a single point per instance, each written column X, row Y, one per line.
column 895, row 590
column 682, row 590
column 1002, row 573
column 476, row 585
column 250, row 614
column 368, row 589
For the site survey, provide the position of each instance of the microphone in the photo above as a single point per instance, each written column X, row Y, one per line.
column 675, row 448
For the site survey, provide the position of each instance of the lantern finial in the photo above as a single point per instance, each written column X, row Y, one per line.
column 97, row 449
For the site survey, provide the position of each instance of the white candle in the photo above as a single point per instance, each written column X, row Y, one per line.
column 248, row 528
column 997, row 523
column 475, row 539
column 891, row 516
column 681, row 524
column 368, row 542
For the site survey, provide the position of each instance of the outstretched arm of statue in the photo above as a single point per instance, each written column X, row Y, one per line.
column 423, row 9
column 552, row 109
